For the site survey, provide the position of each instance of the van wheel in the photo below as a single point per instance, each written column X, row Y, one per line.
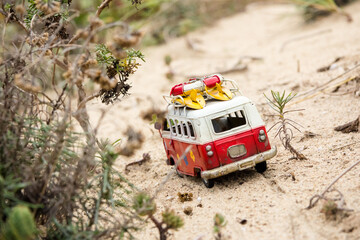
column 261, row 167
column 170, row 161
column 209, row 183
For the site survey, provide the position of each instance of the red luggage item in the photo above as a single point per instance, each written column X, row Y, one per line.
column 211, row 82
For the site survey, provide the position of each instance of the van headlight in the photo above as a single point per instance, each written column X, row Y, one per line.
column 210, row 153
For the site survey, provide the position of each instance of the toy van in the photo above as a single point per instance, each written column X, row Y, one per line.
column 223, row 128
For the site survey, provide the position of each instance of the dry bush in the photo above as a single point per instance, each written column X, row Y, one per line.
column 66, row 178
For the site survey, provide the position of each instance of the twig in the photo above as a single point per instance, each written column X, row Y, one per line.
column 146, row 157
column 347, row 145
column 103, row 5
column 57, row 104
column 88, row 98
column 53, row 74
column 60, row 63
column 323, row 87
column 14, row 17
column 352, row 126
column 159, row 225
column 303, row 37
column 52, row 38
column 255, row 58
column 109, row 25
column 327, row 67
column 317, row 197
column 331, row 80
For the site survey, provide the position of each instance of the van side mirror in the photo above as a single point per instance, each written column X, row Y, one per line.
column 157, row 126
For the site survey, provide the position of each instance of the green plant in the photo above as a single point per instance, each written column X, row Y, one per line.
column 313, row 9
column 20, row 225
column 64, row 179
column 31, row 11
column 116, row 68
column 330, row 209
column 144, row 206
column 278, row 103
column 219, row 224
column 171, row 220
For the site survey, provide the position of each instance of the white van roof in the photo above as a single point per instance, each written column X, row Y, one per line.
column 211, row 107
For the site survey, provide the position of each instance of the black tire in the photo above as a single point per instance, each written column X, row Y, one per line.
column 209, row 183
column 170, row 161
column 261, row 167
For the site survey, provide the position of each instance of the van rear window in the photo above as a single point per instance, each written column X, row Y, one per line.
column 228, row 121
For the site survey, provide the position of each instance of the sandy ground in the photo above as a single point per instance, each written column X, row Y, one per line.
column 273, row 203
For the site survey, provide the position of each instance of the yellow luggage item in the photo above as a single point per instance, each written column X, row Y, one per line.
column 219, row 92
column 192, row 99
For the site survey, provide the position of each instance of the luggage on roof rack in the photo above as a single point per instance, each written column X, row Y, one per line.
column 196, row 91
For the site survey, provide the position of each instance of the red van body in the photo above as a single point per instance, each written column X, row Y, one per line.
column 225, row 136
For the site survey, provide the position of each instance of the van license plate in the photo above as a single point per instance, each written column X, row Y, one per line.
column 237, row 151
column 246, row 165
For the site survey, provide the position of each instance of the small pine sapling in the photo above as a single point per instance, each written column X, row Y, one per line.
column 285, row 133
column 219, row 224
column 144, row 205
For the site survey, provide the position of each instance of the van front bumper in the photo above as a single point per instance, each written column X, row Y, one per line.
column 239, row 165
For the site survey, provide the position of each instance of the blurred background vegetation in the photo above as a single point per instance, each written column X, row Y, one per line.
column 161, row 20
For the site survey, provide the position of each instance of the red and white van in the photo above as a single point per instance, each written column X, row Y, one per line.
column 226, row 136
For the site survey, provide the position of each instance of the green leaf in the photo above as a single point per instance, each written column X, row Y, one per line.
column 171, row 220
column 154, row 119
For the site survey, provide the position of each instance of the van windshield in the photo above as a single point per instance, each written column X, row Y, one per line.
column 228, row 121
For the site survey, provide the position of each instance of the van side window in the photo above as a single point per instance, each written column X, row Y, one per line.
column 166, row 126
column 228, row 121
column 172, row 126
column 191, row 130
column 184, row 129
column 178, row 127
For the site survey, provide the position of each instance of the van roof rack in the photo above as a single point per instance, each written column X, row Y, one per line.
column 197, row 91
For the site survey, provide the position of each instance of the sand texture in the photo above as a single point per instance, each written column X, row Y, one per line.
column 273, row 204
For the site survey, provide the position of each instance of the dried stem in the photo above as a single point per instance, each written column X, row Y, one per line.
column 13, row 16
column 146, row 157
column 317, row 197
column 103, row 5
column 159, row 226
column 352, row 126
column 57, row 104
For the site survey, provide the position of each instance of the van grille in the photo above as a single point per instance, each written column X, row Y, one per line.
column 237, row 151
